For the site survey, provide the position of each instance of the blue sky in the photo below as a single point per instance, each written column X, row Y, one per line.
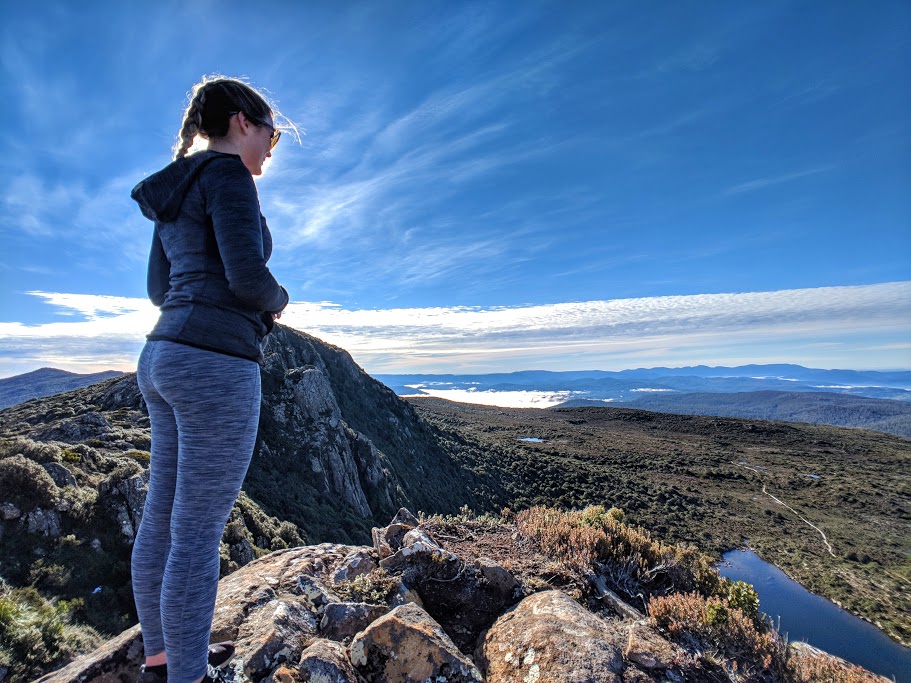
column 485, row 186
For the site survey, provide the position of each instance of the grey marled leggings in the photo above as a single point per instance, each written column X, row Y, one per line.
column 204, row 411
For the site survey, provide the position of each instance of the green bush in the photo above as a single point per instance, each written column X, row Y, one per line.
column 713, row 625
column 26, row 484
column 142, row 457
column 743, row 596
column 71, row 456
column 124, row 470
column 33, row 450
column 377, row 587
column 36, row 634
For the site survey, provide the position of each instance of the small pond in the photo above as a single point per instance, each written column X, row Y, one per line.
column 530, row 439
column 821, row 623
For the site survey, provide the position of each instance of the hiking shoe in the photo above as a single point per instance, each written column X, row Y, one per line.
column 219, row 655
column 157, row 674
column 214, row 675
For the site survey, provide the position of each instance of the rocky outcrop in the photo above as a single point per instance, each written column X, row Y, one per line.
column 60, row 474
column 325, row 661
column 329, row 461
column 44, row 522
column 549, row 636
column 344, row 619
column 408, row 645
column 306, row 414
column 334, row 431
column 126, row 499
column 286, row 614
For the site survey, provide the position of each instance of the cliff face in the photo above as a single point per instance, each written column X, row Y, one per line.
column 339, row 452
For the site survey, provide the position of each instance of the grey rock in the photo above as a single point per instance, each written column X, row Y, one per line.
column 60, row 474
column 404, row 594
column 122, row 515
column 499, row 578
column 419, row 554
column 275, row 633
column 44, row 522
column 358, row 563
column 316, row 593
column 9, row 511
column 416, row 536
column 325, row 661
column 242, row 553
column 407, row 645
column 404, row 516
column 389, row 539
column 134, row 490
column 344, row 619
column 313, row 394
column 548, row 636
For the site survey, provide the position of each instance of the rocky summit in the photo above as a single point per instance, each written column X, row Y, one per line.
column 409, row 609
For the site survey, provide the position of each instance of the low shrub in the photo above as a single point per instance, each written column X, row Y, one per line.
column 33, row 450
column 36, row 634
column 26, row 484
column 744, row 597
column 142, row 457
column 712, row 624
column 377, row 588
column 812, row 668
column 123, row 471
column 595, row 539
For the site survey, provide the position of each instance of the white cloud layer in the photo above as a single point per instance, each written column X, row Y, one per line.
column 501, row 399
column 865, row 326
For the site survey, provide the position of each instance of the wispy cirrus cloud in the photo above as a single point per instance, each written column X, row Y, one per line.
column 99, row 218
column 861, row 327
column 761, row 183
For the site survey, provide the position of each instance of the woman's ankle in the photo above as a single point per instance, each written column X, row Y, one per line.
column 157, row 660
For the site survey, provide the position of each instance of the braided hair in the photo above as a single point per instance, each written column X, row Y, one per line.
column 211, row 103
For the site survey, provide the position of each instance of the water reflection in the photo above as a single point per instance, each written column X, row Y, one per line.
column 809, row 617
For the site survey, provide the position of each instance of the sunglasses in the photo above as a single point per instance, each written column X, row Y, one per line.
column 276, row 134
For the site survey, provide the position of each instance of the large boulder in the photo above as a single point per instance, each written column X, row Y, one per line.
column 358, row 563
column 326, row 661
column 550, row 637
column 44, row 522
column 344, row 619
column 650, row 650
column 407, row 646
column 60, row 474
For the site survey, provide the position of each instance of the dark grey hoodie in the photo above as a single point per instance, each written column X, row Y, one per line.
column 207, row 267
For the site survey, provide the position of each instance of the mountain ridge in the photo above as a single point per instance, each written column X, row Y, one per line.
column 46, row 382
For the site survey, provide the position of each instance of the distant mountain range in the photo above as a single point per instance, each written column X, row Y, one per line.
column 629, row 385
column 884, row 415
column 46, row 382
column 847, row 398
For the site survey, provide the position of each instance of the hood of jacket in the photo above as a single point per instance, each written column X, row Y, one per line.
column 161, row 194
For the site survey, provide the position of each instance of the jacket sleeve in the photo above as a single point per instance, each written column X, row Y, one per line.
column 232, row 204
column 159, row 277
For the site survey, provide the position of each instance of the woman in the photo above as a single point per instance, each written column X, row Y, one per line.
column 199, row 369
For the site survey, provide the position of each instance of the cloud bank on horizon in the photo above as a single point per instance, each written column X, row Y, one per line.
column 493, row 185
column 820, row 327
